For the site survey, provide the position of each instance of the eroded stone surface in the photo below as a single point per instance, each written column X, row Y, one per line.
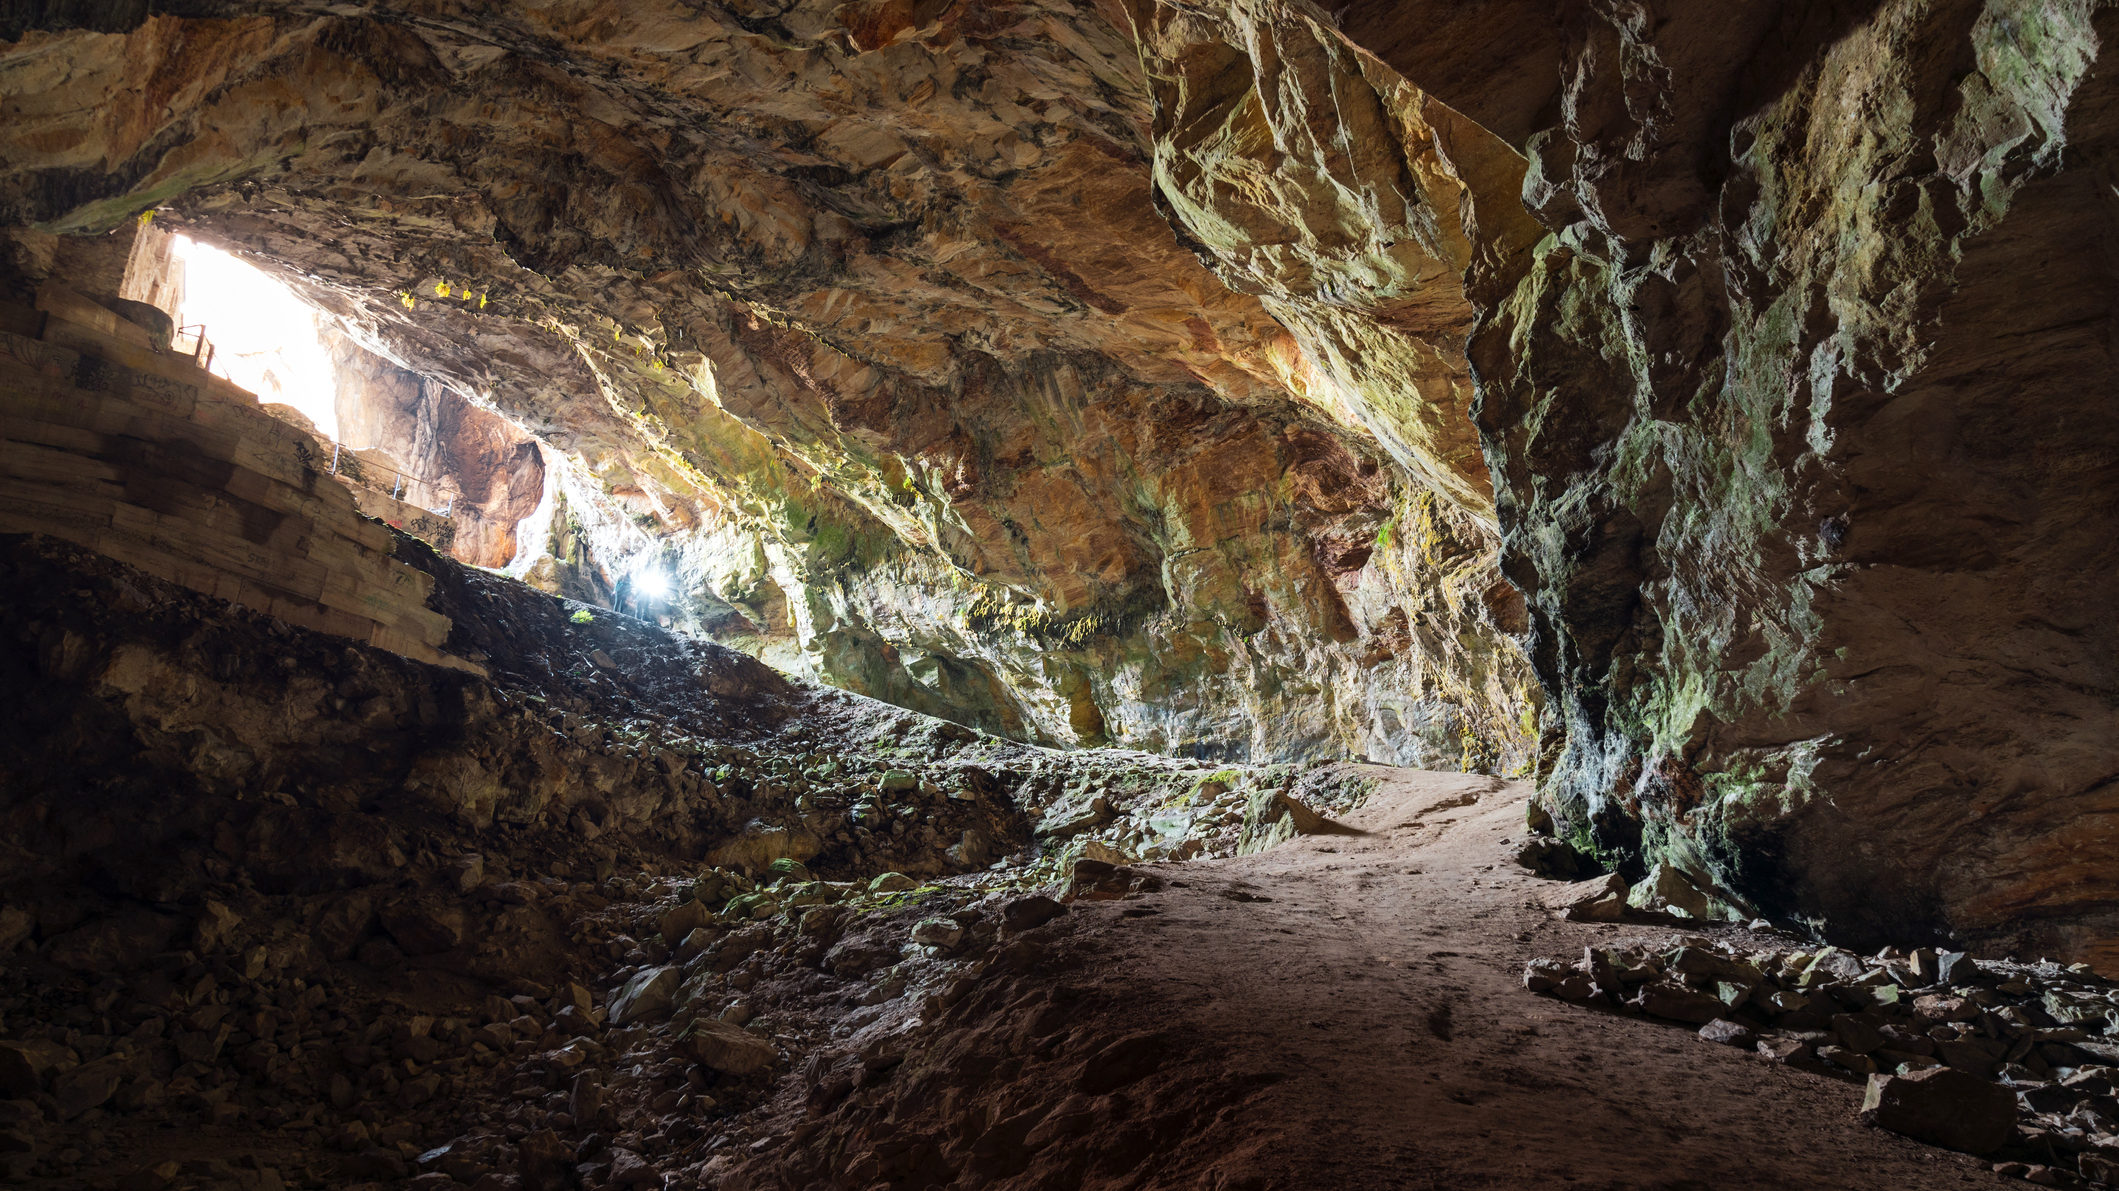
column 1100, row 373
column 488, row 474
column 1800, row 421
column 869, row 314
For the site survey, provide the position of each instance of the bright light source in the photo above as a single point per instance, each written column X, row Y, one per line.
column 265, row 339
column 652, row 584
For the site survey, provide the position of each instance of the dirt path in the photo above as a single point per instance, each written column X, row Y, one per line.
column 1369, row 1026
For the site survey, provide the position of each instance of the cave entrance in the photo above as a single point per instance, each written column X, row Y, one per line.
column 262, row 335
column 416, row 453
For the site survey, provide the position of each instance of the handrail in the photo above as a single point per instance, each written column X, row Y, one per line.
column 401, row 480
column 204, row 348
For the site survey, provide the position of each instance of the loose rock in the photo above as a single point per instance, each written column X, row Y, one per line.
column 1942, row 1107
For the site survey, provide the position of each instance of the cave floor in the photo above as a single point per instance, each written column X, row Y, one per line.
column 1366, row 1027
column 1343, row 1010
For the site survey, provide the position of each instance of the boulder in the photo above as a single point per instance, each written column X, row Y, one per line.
column 1669, row 890
column 1858, row 1032
column 943, row 933
column 1978, row 1056
column 629, row 1169
column 1675, row 1002
column 1938, row 1009
column 1093, row 880
column 790, row 870
column 647, row 995
column 1599, row 899
column 715, row 886
column 469, row 871
column 424, row 926
column 216, row 925
column 1699, row 965
column 695, row 943
column 1783, row 1049
column 121, row 942
column 762, row 841
column 1833, row 966
column 678, row 924
column 1538, row 819
column 972, row 849
column 1847, row 1060
column 545, row 1162
column 1545, row 975
column 1729, row 1033
column 750, row 905
column 1574, row 988
column 342, row 923
column 16, row 925
column 1548, row 857
column 87, row 1086
column 1073, row 815
column 1097, row 849
column 858, row 956
column 24, row 1065
column 728, row 1049
column 1028, row 913
column 1943, row 1107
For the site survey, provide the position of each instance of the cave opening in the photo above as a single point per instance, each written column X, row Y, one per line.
column 793, row 593
column 260, row 334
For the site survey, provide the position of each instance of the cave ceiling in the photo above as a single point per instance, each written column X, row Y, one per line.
column 1702, row 408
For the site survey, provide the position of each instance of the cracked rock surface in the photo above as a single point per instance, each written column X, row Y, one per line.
column 869, row 313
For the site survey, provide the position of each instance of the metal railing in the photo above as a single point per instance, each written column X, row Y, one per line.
column 201, row 352
column 400, row 481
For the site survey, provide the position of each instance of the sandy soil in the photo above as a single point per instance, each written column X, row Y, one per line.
column 1364, row 1027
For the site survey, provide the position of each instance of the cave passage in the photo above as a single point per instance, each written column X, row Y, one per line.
column 1048, row 594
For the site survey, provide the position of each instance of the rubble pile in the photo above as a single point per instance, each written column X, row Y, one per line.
column 484, row 1028
column 2013, row 1061
column 572, row 925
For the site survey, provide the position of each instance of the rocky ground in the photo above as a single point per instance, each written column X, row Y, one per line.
column 633, row 911
column 362, row 920
column 1999, row 1058
column 1340, row 1009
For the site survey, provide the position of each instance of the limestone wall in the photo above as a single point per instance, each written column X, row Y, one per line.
column 146, row 458
column 372, row 478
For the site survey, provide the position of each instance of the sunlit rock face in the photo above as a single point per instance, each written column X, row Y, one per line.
column 1174, row 374
column 457, row 457
column 1802, row 430
column 1352, row 204
column 867, row 315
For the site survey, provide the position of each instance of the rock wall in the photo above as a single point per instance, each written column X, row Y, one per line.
column 488, row 474
column 872, row 323
column 1801, row 426
column 1114, row 372
column 109, row 441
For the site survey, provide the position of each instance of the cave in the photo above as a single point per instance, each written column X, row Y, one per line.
column 1051, row 594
